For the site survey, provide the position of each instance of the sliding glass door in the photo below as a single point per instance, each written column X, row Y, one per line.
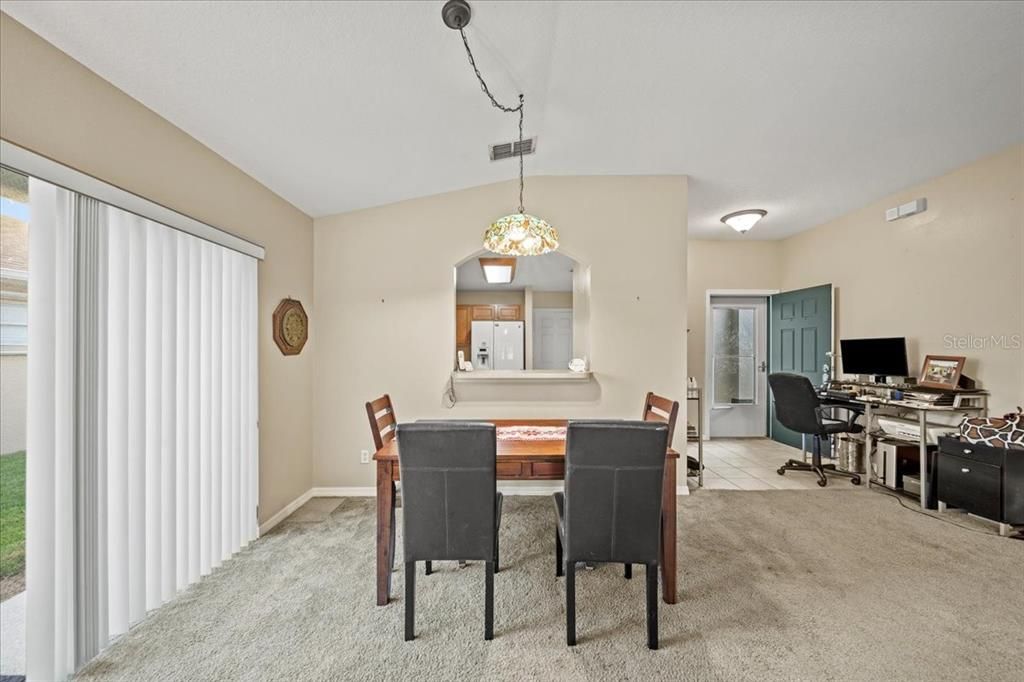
column 142, row 420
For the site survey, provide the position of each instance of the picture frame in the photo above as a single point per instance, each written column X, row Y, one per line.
column 941, row 371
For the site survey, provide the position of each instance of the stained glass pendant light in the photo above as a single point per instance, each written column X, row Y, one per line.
column 519, row 233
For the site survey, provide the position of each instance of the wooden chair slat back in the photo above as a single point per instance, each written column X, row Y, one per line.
column 381, row 414
column 660, row 409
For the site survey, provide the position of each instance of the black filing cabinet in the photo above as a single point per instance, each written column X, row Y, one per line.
column 982, row 480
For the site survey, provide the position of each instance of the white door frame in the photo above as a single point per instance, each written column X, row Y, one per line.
column 708, row 351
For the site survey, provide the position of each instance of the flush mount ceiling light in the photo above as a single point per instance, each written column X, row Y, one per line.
column 519, row 233
column 741, row 221
column 498, row 270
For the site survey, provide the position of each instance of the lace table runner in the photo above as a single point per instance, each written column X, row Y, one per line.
column 531, row 433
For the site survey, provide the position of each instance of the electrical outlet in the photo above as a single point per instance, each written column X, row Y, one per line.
column 364, row 456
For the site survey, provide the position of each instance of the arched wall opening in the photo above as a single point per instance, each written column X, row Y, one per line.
column 524, row 314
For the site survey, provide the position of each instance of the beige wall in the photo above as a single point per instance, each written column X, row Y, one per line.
column 637, row 320
column 954, row 271
column 515, row 297
column 552, row 299
column 12, row 402
column 56, row 107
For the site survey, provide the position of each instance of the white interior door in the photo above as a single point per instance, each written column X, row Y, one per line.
column 552, row 338
column 737, row 366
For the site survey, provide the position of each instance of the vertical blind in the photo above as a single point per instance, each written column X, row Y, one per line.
column 142, row 420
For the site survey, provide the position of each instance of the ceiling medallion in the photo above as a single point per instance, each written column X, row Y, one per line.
column 519, row 233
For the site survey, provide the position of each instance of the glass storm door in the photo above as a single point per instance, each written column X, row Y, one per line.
column 738, row 342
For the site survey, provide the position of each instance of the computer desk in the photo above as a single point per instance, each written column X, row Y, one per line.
column 869, row 405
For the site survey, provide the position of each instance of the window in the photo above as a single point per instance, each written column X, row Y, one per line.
column 14, row 218
column 734, row 347
column 13, row 326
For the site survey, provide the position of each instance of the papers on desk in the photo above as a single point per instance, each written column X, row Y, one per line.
column 939, row 399
column 910, row 430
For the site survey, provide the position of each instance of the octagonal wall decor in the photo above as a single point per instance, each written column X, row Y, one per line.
column 291, row 326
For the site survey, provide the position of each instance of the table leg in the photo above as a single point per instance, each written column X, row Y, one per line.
column 668, row 534
column 385, row 530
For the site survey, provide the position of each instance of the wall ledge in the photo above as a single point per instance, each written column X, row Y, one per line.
column 523, row 375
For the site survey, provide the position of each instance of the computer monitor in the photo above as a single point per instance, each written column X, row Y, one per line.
column 878, row 357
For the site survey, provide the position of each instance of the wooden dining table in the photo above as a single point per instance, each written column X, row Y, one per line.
column 517, row 460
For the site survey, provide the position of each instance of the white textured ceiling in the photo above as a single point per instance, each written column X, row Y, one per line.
column 806, row 109
column 550, row 272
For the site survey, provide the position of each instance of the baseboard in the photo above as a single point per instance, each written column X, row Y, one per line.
column 369, row 491
column 286, row 511
column 344, row 491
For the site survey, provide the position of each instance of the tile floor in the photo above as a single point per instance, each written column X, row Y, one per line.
column 751, row 464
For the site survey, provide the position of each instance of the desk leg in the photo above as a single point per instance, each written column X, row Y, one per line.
column 700, row 457
column 922, row 451
column 700, row 438
column 668, row 534
column 869, row 459
column 385, row 530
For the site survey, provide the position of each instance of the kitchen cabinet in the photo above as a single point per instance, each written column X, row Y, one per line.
column 507, row 313
column 482, row 312
column 463, row 327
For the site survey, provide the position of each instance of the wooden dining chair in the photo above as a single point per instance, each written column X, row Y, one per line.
column 659, row 409
column 382, row 420
column 382, row 428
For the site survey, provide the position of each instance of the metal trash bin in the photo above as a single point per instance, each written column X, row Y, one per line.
column 850, row 455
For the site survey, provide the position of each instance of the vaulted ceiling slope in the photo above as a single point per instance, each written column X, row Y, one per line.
column 806, row 109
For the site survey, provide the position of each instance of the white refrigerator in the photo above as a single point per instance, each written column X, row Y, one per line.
column 497, row 345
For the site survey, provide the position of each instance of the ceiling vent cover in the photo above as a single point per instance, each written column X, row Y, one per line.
column 509, row 150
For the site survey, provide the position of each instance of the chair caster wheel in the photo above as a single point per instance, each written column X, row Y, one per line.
column 822, row 483
column 781, row 472
column 855, row 480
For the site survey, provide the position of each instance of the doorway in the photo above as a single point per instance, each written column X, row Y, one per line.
column 737, row 362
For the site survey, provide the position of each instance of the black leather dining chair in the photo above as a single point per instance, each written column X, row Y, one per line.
column 798, row 408
column 450, row 506
column 611, row 508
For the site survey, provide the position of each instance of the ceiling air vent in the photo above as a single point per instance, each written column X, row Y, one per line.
column 509, row 150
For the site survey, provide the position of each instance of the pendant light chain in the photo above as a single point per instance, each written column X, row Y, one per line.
column 498, row 105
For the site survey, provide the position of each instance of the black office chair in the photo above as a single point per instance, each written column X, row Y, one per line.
column 797, row 407
column 450, row 507
column 611, row 508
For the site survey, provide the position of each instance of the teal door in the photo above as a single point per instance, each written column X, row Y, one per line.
column 800, row 333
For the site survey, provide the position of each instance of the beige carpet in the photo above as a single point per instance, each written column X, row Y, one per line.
column 774, row 585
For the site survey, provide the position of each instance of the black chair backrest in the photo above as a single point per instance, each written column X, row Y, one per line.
column 614, row 472
column 448, row 490
column 796, row 402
